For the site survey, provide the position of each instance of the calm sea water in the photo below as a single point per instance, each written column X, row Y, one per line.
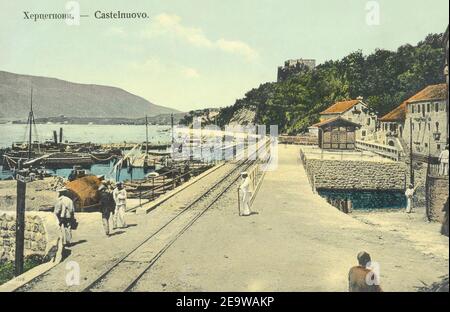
column 10, row 133
column 368, row 199
column 100, row 169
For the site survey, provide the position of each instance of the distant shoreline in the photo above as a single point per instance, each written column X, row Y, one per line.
column 63, row 120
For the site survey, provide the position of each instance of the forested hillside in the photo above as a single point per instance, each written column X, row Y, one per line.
column 384, row 78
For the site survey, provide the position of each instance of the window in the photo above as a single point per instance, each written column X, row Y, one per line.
column 436, row 107
column 418, row 109
column 437, row 126
column 438, row 146
column 368, row 121
column 420, row 126
column 412, row 108
column 428, row 107
column 423, row 110
column 429, row 127
column 364, row 133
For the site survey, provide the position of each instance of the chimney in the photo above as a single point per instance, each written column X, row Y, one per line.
column 360, row 98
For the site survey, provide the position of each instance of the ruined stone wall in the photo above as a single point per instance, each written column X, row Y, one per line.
column 438, row 195
column 356, row 175
column 41, row 234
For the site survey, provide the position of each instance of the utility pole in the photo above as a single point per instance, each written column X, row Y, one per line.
column 411, row 167
column 146, row 136
column 20, row 220
column 172, row 126
column 30, row 122
column 172, row 134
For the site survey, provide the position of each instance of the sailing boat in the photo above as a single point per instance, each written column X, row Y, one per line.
column 30, row 154
column 24, row 151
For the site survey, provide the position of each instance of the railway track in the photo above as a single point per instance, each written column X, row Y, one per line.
column 125, row 273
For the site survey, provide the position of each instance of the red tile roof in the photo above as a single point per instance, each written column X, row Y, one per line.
column 397, row 114
column 433, row 92
column 331, row 120
column 340, row 107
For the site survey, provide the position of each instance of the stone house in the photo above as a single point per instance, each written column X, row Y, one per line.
column 426, row 120
column 391, row 128
column 355, row 111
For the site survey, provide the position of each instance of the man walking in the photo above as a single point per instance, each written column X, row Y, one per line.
column 443, row 162
column 65, row 212
column 120, row 198
column 107, row 207
column 246, row 194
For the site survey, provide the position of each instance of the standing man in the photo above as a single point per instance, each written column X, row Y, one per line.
column 443, row 162
column 246, row 194
column 73, row 174
column 107, row 207
column 409, row 193
column 120, row 198
column 65, row 212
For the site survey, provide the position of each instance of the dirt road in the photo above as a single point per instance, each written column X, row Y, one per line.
column 296, row 242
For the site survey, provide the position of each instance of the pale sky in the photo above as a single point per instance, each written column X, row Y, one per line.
column 202, row 53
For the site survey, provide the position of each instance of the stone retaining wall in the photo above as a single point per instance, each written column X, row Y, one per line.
column 356, row 175
column 42, row 234
column 438, row 196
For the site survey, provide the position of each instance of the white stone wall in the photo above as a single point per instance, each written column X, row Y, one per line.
column 424, row 126
column 42, row 234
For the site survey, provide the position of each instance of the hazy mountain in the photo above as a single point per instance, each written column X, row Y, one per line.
column 55, row 97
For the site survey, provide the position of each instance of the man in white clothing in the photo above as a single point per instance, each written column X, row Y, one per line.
column 443, row 162
column 65, row 212
column 246, row 194
column 409, row 193
column 120, row 197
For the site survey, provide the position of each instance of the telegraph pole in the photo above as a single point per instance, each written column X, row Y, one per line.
column 30, row 121
column 411, row 167
column 20, row 221
column 172, row 134
column 146, row 136
column 172, row 125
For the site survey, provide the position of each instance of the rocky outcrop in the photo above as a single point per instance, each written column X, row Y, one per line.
column 243, row 116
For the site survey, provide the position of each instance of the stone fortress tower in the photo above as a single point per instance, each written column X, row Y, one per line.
column 294, row 67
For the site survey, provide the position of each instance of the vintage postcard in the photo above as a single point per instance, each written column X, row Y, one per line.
column 250, row 146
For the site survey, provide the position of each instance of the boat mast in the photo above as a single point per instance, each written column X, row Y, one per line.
column 30, row 123
column 146, row 136
column 172, row 134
